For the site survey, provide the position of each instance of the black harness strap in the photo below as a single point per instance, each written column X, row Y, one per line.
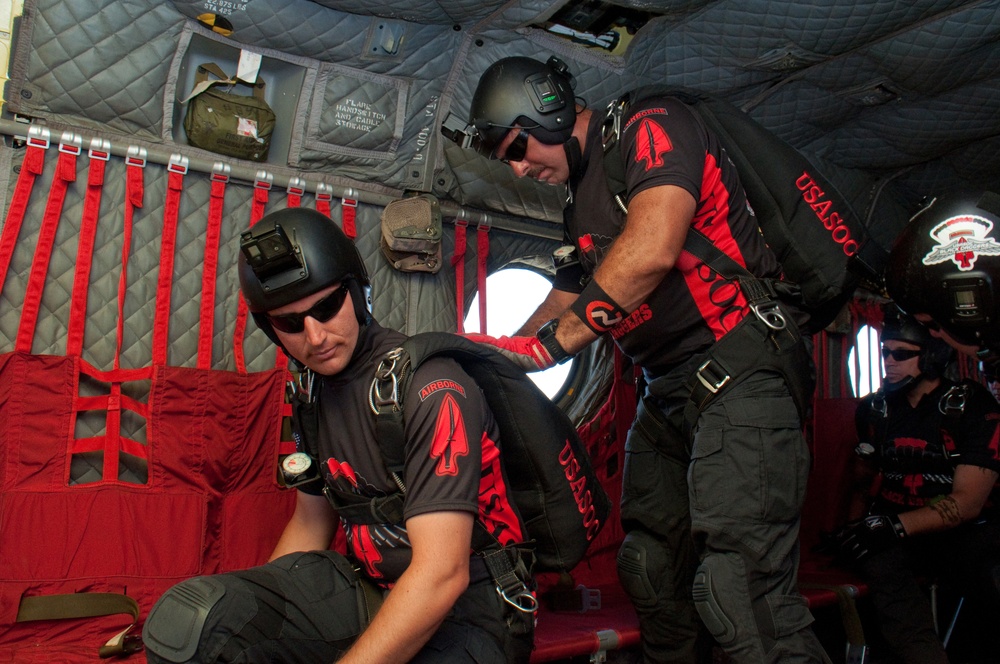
column 769, row 339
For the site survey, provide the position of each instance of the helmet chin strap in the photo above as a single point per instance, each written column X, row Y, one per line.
column 904, row 386
column 574, row 158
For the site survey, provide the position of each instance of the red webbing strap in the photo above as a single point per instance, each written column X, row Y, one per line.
column 65, row 173
column 324, row 198
column 348, row 216
column 458, row 262
column 206, row 324
column 261, row 193
column 31, row 168
column 176, row 170
column 135, row 162
column 112, row 442
column 482, row 253
column 296, row 189
column 100, row 153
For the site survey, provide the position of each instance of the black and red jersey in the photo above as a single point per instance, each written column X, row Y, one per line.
column 663, row 143
column 452, row 459
column 917, row 448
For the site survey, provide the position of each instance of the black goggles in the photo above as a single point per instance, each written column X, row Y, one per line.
column 322, row 311
column 900, row 354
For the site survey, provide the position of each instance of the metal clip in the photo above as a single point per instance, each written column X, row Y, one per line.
column 100, row 148
column 220, row 172
column 590, row 598
column 612, row 127
column 178, row 164
column 711, row 387
column 386, row 372
column 953, row 401
column 296, row 186
column 71, row 143
column 770, row 314
column 324, row 192
column 523, row 601
column 136, row 156
column 263, row 180
column 38, row 137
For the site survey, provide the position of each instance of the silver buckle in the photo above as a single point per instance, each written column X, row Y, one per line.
column 713, row 388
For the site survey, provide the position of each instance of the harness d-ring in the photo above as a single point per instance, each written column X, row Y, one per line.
column 385, row 373
column 523, row 601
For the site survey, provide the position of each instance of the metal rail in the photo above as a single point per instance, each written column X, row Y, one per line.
column 272, row 176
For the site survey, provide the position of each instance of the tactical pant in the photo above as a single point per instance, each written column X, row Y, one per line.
column 739, row 488
column 966, row 558
column 309, row 607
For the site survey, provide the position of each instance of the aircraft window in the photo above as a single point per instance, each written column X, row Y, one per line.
column 513, row 294
column 864, row 363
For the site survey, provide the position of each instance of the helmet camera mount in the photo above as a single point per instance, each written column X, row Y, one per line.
column 275, row 261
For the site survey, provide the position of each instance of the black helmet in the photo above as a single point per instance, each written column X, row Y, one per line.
column 946, row 264
column 292, row 253
column 935, row 354
column 533, row 95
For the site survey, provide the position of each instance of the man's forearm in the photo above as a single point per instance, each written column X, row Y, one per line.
column 555, row 303
column 970, row 489
column 424, row 594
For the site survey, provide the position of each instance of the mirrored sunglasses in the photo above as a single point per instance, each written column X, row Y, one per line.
column 322, row 311
column 899, row 354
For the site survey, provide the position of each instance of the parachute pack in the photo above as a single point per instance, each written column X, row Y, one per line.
column 547, row 467
column 816, row 235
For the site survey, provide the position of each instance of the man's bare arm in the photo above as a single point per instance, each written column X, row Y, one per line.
column 647, row 249
column 553, row 306
column 419, row 602
column 311, row 527
column 970, row 489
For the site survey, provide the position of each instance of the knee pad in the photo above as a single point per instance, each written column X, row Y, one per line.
column 710, row 609
column 641, row 560
column 173, row 630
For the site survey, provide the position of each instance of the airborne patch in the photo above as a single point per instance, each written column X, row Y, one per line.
column 434, row 386
column 962, row 240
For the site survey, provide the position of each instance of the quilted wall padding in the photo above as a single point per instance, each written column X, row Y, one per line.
column 903, row 97
column 409, row 302
column 907, row 93
column 95, row 64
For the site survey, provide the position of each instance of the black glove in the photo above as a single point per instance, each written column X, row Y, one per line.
column 859, row 539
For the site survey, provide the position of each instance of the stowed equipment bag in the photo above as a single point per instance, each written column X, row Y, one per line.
column 225, row 122
column 411, row 234
column 547, row 468
column 810, row 226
